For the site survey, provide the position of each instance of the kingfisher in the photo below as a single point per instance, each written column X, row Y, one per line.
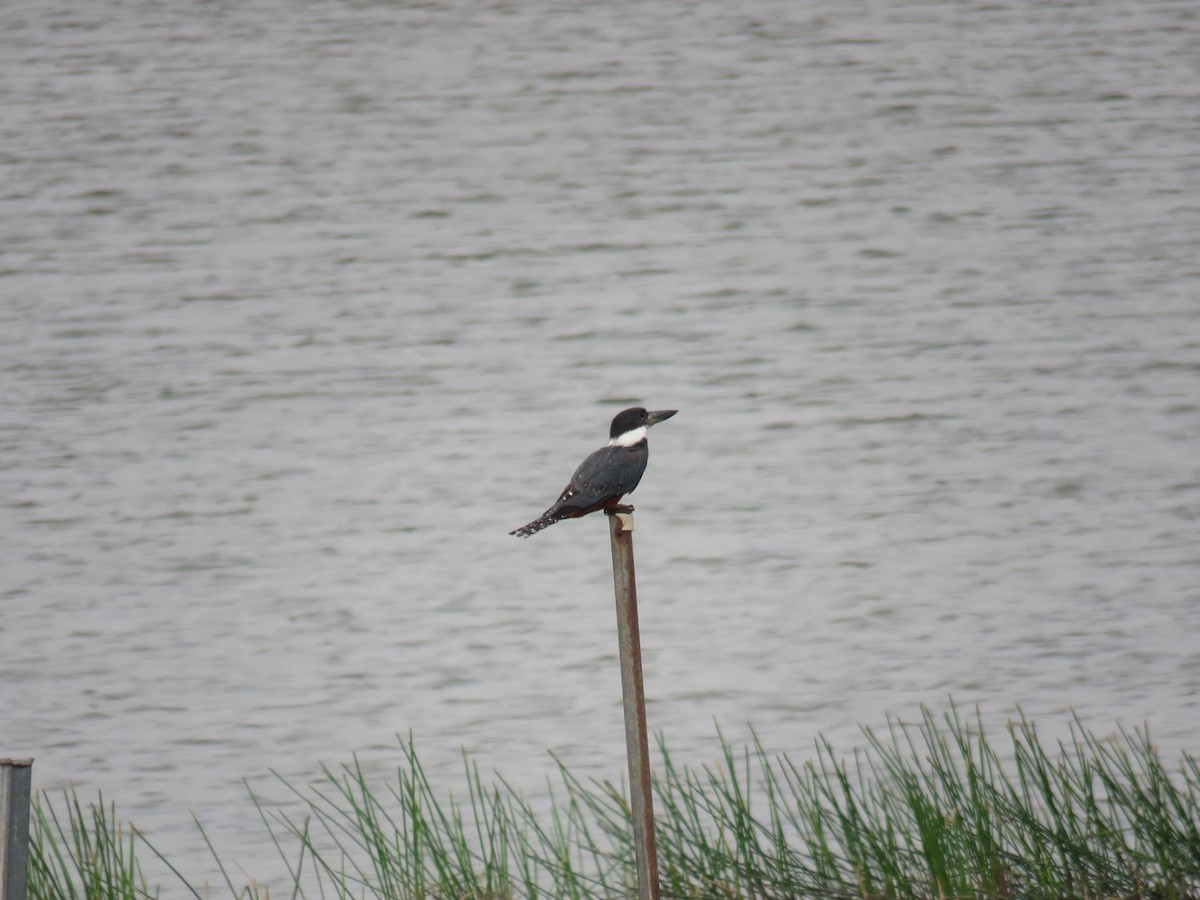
column 606, row 475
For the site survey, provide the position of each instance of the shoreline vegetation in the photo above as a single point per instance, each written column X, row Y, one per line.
column 924, row 810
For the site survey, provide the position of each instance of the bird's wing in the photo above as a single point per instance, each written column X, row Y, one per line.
column 607, row 473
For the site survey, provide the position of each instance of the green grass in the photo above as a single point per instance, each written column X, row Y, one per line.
column 923, row 810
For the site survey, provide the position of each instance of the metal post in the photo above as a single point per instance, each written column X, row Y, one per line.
column 637, row 744
column 15, row 775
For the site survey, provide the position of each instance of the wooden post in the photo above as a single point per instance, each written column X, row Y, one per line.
column 637, row 744
column 15, row 775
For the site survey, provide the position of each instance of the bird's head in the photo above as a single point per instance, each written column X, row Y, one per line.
column 629, row 426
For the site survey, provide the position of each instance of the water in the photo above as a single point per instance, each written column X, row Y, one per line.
column 305, row 305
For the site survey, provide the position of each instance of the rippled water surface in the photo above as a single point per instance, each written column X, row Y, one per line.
column 304, row 306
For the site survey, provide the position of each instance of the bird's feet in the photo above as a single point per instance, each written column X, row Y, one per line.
column 619, row 508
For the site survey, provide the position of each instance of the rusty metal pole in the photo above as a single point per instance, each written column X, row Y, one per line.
column 15, row 776
column 637, row 744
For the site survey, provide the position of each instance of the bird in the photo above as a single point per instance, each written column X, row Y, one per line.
column 606, row 475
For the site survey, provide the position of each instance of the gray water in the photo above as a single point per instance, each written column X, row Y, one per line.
column 305, row 305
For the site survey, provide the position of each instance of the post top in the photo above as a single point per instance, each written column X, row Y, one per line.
column 624, row 517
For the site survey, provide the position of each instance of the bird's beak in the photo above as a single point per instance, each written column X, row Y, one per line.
column 659, row 415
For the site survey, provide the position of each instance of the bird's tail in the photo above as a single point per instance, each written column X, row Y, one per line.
column 545, row 520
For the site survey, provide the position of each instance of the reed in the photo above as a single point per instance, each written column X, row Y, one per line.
column 79, row 851
column 928, row 809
